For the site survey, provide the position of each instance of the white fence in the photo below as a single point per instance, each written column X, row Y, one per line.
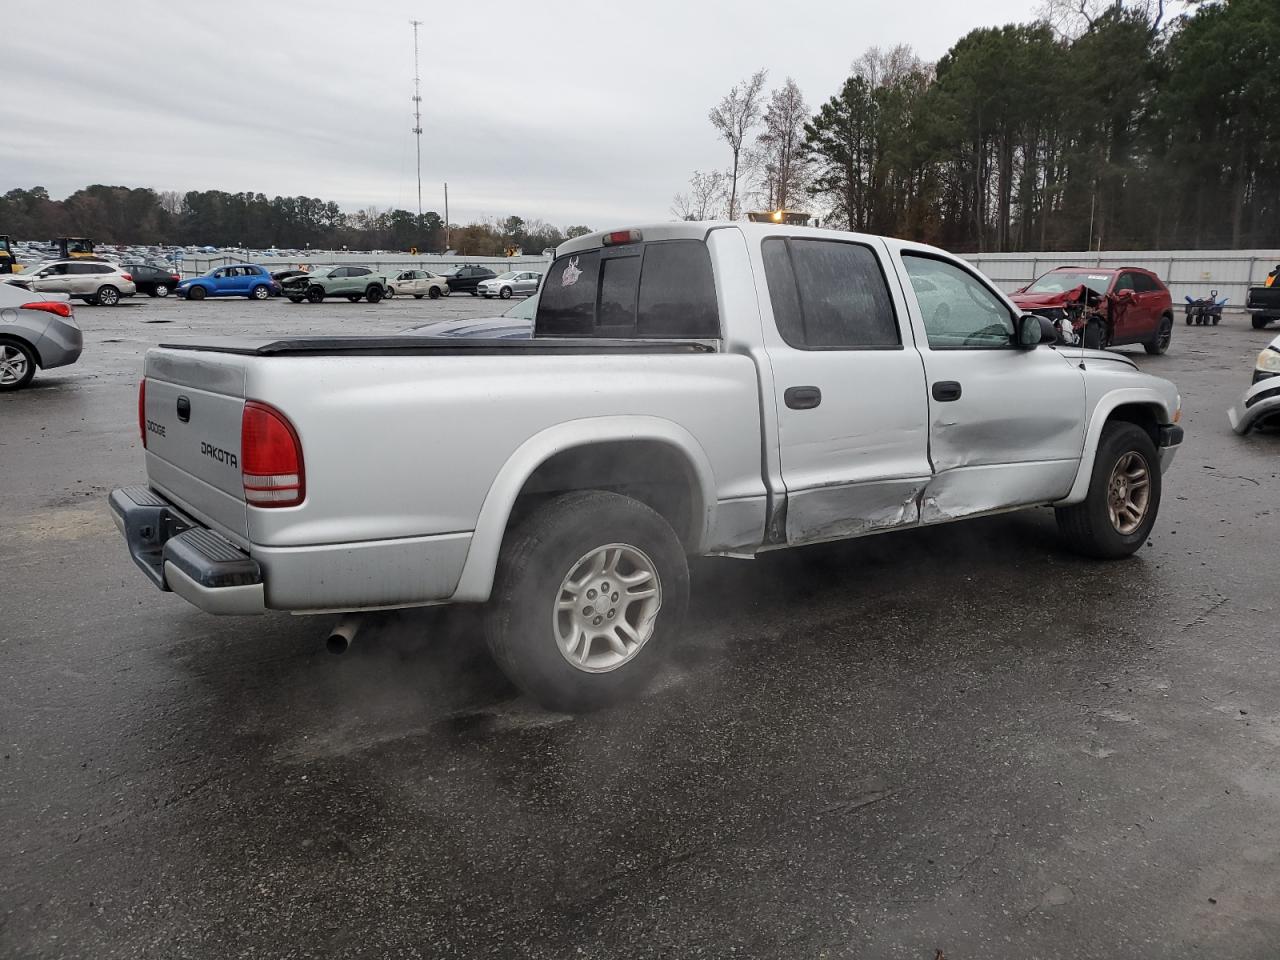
column 1188, row 273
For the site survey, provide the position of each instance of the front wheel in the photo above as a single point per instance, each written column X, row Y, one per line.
column 260, row 292
column 315, row 293
column 107, row 296
column 196, row 293
column 1120, row 509
column 505, row 293
column 373, row 294
column 1160, row 343
column 17, row 365
column 1095, row 337
column 589, row 595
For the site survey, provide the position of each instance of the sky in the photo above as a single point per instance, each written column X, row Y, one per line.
column 569, row 112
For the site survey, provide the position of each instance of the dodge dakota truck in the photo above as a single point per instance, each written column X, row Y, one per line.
column 689, row 389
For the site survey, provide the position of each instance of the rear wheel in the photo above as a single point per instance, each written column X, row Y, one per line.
column 1260, row 323
column 474, row 292
column 1188, row 319
column 590, row 593
column 1160, row 343
column 17, row 365
column 196, row 293
column 162, row 290
column 315, row 293
column 1124, row 495
column 107, row 296
column 373, row 294
column 260, row 292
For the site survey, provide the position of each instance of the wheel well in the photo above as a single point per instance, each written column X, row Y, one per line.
column 653, row 472
column 1140, row 414
column 23, row 341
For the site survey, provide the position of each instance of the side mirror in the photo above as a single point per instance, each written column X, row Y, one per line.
column 1125, row 294
column 1034, row 330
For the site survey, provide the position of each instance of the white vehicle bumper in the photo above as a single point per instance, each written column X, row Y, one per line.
column 1261, row 402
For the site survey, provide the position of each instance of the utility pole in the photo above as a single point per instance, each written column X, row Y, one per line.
column 417, row 111
column 446, row 214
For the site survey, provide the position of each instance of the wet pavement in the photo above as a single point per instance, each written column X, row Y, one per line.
column 960, row 742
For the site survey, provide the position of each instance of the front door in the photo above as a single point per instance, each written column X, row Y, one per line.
column 1006, row 424
column 849, row 389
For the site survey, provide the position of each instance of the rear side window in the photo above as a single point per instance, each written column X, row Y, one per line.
column 662, row 289
column 829, row 294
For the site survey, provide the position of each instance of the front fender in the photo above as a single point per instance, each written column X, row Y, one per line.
column 476, row 581
column 1110, row 402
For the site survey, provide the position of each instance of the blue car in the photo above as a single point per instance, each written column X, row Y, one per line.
column 237, row 280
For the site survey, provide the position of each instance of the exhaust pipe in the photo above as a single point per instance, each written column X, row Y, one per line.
column 343, row 633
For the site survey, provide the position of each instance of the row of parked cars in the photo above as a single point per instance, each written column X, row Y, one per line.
column 104, row 283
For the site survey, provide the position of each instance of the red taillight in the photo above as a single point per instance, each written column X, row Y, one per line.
column 50, row 306
column 270, row 458
column 142, row 411
column 128, row 277
column 621, row 236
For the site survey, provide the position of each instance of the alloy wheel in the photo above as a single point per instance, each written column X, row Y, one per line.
column 606, row 608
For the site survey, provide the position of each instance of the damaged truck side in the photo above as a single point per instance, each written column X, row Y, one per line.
column 689, row 389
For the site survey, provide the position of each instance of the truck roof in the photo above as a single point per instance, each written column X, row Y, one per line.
column 698, row 230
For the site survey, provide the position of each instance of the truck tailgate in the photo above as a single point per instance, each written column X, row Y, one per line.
column 193, row 408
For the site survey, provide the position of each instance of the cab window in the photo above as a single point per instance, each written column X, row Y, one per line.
column 960, row 312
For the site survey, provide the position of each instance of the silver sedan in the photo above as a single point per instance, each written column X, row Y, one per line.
column 518, row 283
column 36, row 330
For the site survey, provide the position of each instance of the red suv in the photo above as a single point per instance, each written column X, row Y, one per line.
column 1107, row 307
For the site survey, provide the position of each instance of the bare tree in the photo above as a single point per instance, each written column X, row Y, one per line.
column 734, row 118
column 171, row 201
column 1070, row 18
column 705, row 199
column 884, row 67
column 784, row 175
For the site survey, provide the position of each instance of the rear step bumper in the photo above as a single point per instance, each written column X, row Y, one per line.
column 176, row 553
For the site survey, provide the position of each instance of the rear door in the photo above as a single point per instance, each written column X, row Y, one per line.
column 850, row 389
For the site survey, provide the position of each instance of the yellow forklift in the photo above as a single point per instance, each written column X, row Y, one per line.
column 7, row 263
column 74, row 248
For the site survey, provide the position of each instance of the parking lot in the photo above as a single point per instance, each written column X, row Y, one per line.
column 959, row 742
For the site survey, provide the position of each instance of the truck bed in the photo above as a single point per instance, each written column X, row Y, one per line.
column 402, row 345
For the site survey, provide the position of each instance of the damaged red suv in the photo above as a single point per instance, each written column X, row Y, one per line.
column 1104, row 307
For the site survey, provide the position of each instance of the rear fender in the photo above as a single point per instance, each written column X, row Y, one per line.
column 477, row 573
column 1128, row 396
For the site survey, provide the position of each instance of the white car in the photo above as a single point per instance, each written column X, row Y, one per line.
column 93, row 281
column 418, row 284
column 519, row 283
column 1260, row 405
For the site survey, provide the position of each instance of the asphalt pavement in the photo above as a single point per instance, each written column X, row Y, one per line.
column 962, row 742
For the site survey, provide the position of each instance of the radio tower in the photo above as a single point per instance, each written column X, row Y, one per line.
column 417, row 111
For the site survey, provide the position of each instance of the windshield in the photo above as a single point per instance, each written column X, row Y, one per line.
column 526, row 309
column 1061, row 281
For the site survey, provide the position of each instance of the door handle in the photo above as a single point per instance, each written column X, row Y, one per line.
column 802, row 398
column 946, row 390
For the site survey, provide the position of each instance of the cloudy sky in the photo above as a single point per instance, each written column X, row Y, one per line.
column 571, row 112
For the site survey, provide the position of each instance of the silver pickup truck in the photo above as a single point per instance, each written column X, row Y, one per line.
column 689, row 389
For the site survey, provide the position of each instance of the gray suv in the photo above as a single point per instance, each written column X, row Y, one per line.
column 93, row 281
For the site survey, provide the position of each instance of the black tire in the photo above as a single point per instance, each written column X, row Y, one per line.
column 1095, row 337
column 474, row 293
column 537, row 555
column 1087, row 526
column 295, row 299
column 505, row 293
column 196, row 293
column 260, row 292
column 107, row 296
column 161, row 290
column 1188, row 319
column 315, row 293
column 1215, row 319
column 1159, row 344
column 1260, row 323
column 27, row 356
column 373, row 294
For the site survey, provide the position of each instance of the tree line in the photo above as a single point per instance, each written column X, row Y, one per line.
column 139, row 215
column 1101, row 125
